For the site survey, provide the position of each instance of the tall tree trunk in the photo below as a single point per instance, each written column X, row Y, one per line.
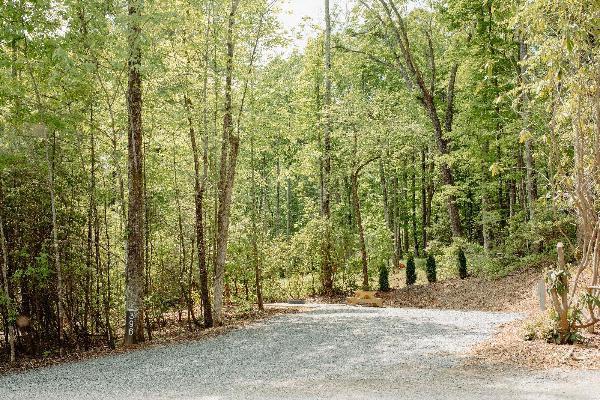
column 288, row 201
column 361, row 231
column 107, row 292
column 512, row 198
column 414, row 205
column 404, row 207
column 185, row 289
column 6, row 283
column 327, row 267
column 229, row 153
column 50, row 157
column 528, row 153
column 277, row 195
column 254, row 233
column 485, row 200
column 200, row 182
column 95, row 221
column 424, row 198
column 199, row 185
column 396, row 218
column 389, row 210
column 134, row 274
column 387, row 216
column 487, row 240
column 358, row 218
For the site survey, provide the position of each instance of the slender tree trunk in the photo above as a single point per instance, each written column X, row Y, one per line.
column 50, row 157
column 6, row 283
column 361, row 231
column 327, row 267
column 485, row 201
column 384, row 191
column 199, row 185
column 404, row 209
column 134, row 275
column 185, row 290
column 288, row 201
column 487, row 240
column 229, row 153
column 528, row 153
column 414, row 206
column 424, row 198
column 254, row 238
column 277, row 196
column 147, row 244
column 389, row 210
column 107, row 292
column 396, row 218
column 512, row 198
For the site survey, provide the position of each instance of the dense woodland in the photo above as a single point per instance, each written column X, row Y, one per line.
column 167, row 156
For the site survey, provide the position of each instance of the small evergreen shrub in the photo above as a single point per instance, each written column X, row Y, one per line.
column 384, row 279
column 411, row 273
column 462, row 264
column 431, row 269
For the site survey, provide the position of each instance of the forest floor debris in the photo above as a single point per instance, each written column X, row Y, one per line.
column 508, row 347
column 514, row 292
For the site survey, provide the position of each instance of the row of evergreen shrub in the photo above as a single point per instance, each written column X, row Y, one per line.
column 430, row 269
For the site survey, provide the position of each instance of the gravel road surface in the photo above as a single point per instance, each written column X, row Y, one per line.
column 331, row 352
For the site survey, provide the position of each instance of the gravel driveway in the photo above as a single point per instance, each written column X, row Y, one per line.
column 331, row 352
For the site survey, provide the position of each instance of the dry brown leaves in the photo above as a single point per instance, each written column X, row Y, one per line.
column 509, row 347
column 514, row 292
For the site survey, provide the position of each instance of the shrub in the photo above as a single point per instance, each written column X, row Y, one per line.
column 411, row 273
column 462, row 264
column 431, row 269
column 384, row 281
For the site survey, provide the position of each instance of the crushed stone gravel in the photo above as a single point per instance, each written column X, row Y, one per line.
column 331, row 352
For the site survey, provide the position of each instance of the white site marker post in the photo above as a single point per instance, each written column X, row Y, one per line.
column 541, row 289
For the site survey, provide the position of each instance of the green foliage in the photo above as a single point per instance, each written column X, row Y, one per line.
column 384, row 282
column 557, row 279
column 546, row 327
column 411, row 273
column 462, row 264
column 555, row 335
column 431, row 269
